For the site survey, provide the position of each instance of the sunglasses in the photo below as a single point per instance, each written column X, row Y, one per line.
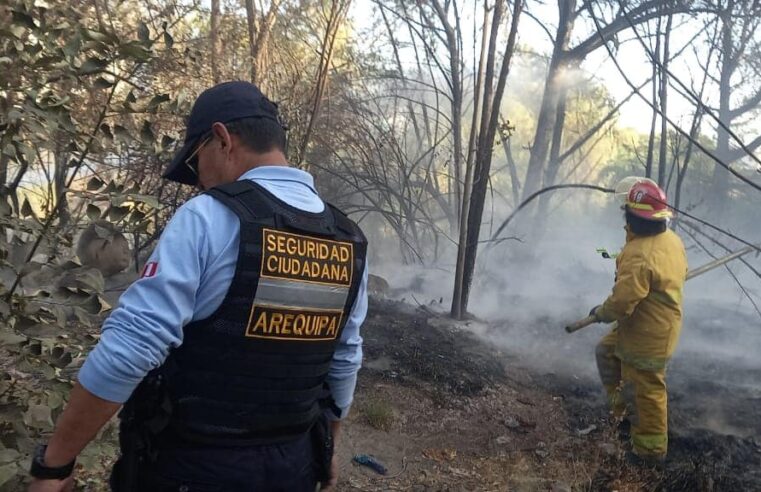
column 192, row 160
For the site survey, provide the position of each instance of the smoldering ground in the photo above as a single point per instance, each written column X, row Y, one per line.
column 528, row 290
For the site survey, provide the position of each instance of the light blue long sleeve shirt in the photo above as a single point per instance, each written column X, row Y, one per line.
column 195, row 262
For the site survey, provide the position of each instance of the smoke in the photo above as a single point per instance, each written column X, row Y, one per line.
column 528, row 290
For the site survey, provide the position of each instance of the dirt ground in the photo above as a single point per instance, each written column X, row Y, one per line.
column 442, row 410
column 504, row 406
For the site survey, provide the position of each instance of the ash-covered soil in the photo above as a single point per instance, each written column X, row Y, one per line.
column 502, row 406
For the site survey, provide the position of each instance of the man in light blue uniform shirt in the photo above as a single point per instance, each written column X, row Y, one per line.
column 148, row 322
column 186, row 280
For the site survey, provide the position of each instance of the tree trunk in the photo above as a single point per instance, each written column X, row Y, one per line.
column 455, row 68
column 654, row 121
column 259, row 49
column 553, row 166
column 251, row 20
column 720, row 186
column 694, row 132
column 464, row 210
column 214, row 34
column 59, row 193
column 423, row 137
column 337, row 12
column 663, row 151
column 697, row 121
column 489, row 121
column 402, row 74
column 643, row 12
column 548, row 112
column 431, row 119
column 4, row 159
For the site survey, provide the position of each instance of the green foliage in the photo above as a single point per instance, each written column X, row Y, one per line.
column 90, row 96
column 70, row 96
column 123, row 206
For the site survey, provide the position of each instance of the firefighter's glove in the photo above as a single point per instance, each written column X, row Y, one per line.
column 593, row 312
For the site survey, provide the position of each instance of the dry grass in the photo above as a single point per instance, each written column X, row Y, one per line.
column 379, row 413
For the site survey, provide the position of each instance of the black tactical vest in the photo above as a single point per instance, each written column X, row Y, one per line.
column 255, row 369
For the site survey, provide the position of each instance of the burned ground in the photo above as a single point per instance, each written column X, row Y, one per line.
column 443, row 410
column 421, row 350
column 516, row 406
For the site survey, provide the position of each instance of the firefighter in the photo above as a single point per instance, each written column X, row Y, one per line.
column 237, row 350
column 646, row 303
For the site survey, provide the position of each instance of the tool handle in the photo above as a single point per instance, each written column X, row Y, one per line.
column 589, row 320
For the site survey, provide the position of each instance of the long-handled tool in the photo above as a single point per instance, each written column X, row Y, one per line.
column 590, row 320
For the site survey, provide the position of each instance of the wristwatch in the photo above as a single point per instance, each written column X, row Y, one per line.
column 44, row 472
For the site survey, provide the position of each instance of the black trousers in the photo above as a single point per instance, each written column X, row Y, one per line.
column 278, row 467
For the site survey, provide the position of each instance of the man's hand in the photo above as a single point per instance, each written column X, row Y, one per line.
column 331, row 484
column 65, row 485
column 593, row 311
column 80, row 421
column 335, row 429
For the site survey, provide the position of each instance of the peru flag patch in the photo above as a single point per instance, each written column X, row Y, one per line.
column 150, row 269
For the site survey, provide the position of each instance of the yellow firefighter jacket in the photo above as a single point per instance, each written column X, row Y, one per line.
column 647, row 299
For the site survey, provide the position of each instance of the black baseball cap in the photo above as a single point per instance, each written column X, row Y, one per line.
column 222, row 103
